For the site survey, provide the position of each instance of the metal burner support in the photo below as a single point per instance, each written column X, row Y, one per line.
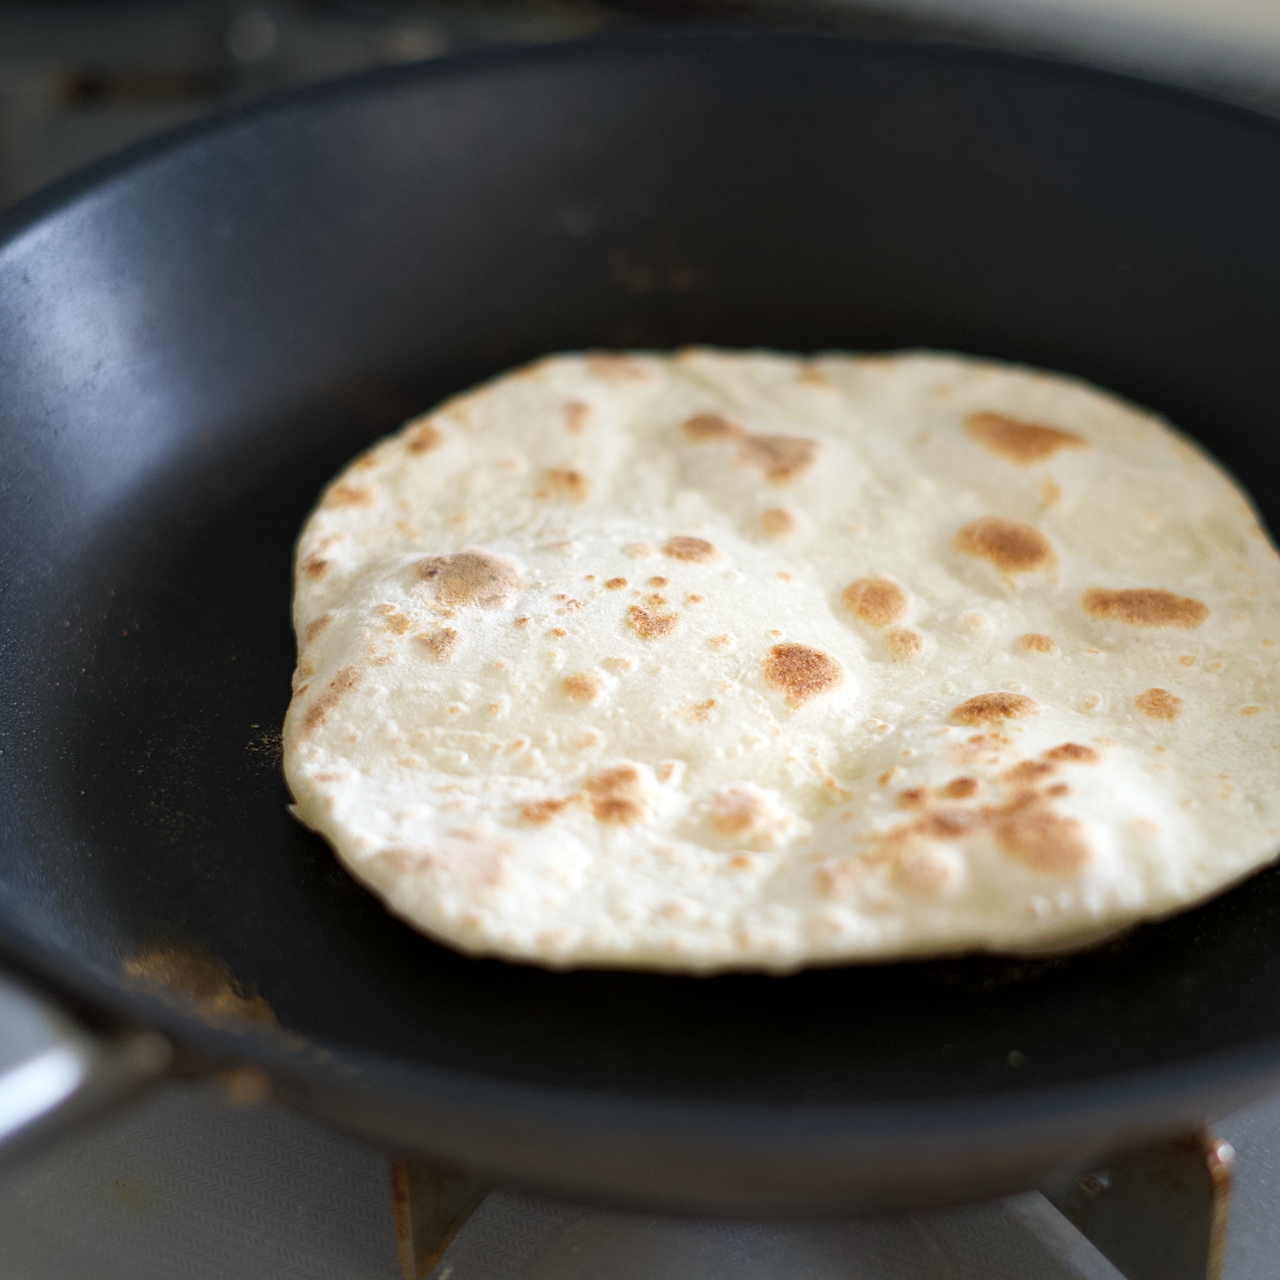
column 1160, row 1216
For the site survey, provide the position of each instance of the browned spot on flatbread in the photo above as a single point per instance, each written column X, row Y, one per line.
column 316, row 626
column 614, row 367
column 617, row 795
column 316, row 566
column 659, row 582
column 576, row 416
column 347, row 495
column 586, row 686
column 1252, row 711
column 801, row 672
column 1030, row 831
column 876, row 601
column 904, row 643
column 813, row 377
column 539, row 812
column 778, row 522
column 736, row 811
column 1011, row 545
column 1073, row 753
column 470, row 578
column 961, row 788
column 991, row 708
column 1022, row 443
column 567, row 484
column 425, row 438
column 1027, row 772
column 1146, row 607
column 706, row 428
column 1026, row 828
column 695, row 550
column 651, row 624
column 441, row 643
column 339, row 686
column 1159, row 704
column 191, row 973
column 1035, row 642
column 781, row 458
column 615, row 584
column 394, row 620
column 698, row 712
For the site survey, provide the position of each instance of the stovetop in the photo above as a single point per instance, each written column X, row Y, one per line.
column 189, row 1187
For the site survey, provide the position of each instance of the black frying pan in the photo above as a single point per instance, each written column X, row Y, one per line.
column 194, row 337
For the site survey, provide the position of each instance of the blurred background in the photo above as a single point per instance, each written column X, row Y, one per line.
column 81, row 80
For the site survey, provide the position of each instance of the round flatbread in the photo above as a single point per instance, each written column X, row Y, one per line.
column 725, row 660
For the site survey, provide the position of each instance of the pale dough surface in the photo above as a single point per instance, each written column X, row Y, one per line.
column 723, row 660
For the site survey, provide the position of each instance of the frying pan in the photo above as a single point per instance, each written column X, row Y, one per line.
column 194, row 336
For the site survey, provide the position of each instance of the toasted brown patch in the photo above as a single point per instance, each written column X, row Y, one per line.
column 781, row 458
column 1022, row 443
column 316, row 626
column 1252, row 711
column 706, row 428
column 424, row 439
column 778, row 522
column 539, row 812
column 991, row 708
column 876, row 601
column 441, row 644
column 584, row 687
column 470, row 578
column 735, row 811
column 698, row 712
column 396, row 621
column 721, row 641
column 1146, row 607
column 615, row 584
column 695, row 550
column 576, row 416
column 1010, row 545
column 651, row 624
column 339, row 686
column 1159, row 704
column 1073, row 753
column 617, row 795
column 1031, row 832
column 616, row 368
column 1035, row 642
column 904, row 643
column 316, row 566
column 694, row 598
column 961, row 788
column 813, row 377
column 659, row 582
column 801, row 672
column 1187, row 660
column 347, row 495
column 1027, row 772
column 567, row 484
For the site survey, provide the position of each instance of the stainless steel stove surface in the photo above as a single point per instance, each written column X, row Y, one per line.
column 188, row 1187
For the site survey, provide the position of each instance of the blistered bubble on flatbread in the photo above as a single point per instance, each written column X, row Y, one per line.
column 741, row 661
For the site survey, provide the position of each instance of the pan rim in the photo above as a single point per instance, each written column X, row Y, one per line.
column 1249, row 1066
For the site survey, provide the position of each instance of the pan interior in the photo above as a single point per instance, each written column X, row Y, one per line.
column 195, row 343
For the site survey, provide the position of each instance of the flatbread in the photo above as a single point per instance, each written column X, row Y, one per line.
column 723, row 660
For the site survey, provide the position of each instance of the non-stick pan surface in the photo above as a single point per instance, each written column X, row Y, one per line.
column 193, row 338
